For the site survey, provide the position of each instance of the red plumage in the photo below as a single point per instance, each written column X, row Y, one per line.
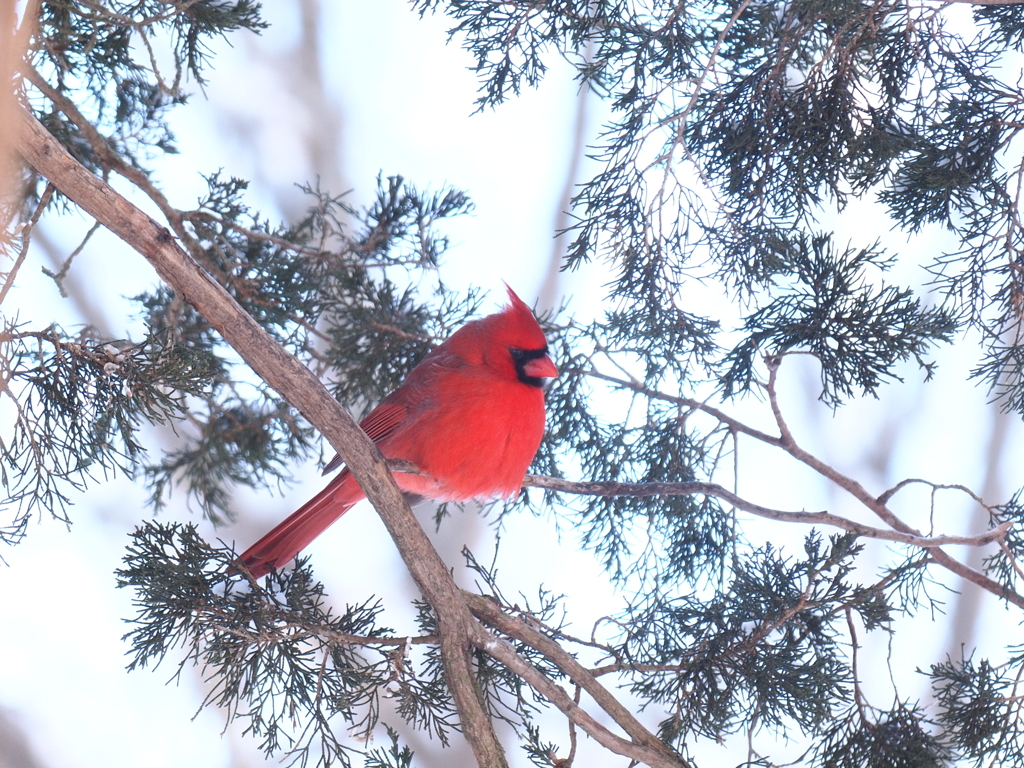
column 470, row 416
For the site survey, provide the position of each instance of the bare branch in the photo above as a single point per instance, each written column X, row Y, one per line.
column 492, row 614
column 884, row 498
column 658, row 756
column 60, row 274
column 26, row 238
column 877, row 505
column 713, row 489
column 733, row 424
column 773, row 363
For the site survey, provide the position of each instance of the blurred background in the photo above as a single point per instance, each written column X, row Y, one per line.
column 342, row 91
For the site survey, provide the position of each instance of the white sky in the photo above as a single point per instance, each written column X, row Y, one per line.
column 400, row 101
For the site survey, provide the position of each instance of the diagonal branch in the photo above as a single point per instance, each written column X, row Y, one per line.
column 26, row 238
column 491, row 613
column 875, row 504
column 300, row 387
column 733, row 424
column 650, row 750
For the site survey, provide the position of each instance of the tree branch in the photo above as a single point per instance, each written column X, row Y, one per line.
column 877, row 505
column 642, row 490
column 26, row 238
column 733, row 424
column 109, row 158
column 305, row 392
column 713, row 489
column 645, row 747
column 492, row 614
column 860, row 493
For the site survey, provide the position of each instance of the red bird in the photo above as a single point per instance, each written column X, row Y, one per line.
column 470, row 416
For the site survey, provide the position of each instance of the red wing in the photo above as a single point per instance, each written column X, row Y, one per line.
column 393, row 410
column 382, row 421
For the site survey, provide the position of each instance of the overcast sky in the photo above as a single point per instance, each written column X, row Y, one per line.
column 394, row 98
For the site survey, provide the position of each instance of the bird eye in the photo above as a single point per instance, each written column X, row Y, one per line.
column 516, row 352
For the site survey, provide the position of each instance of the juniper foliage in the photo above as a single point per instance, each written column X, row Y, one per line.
column 734, row 126
column 777, row 109
column 79, row 404
column 279, row 655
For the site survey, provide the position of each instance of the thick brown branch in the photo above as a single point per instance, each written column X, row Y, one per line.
column 305, row 392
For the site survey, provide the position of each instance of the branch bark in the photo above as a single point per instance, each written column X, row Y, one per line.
column 492, row 614
column 305, row 392
column 656, row 755
column 859, row 492
column 787, row 443
column 718, row 491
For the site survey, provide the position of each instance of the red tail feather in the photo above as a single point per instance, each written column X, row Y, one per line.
column 295, row 533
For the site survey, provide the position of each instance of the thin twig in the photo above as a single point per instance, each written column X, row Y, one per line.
column 59, row 275
column 503, row 652
column 491, row 613
column 572, row 729
column 734, row 424
column 718, row 491
column 858, row 694
column 1011, row 558
column 26, row 238
column 884, row 497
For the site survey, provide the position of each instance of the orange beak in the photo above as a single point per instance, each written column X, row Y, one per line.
column 541, row 368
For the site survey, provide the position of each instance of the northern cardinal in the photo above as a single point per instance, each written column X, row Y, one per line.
column 470, row 416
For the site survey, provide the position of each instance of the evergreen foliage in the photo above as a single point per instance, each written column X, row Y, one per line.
column 79, row 404
column 734, row 126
